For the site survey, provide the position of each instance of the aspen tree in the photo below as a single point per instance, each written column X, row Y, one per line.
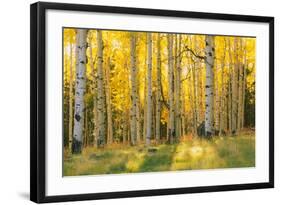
column 79, row 91
column 108, row 103
column 100, row 92
column 149, row 90
column 70, row 100
column 171, row 130
column 133, row 110
column 158, row 90
column 209, row 113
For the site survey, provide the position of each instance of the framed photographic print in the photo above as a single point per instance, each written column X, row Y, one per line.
column 129, row 102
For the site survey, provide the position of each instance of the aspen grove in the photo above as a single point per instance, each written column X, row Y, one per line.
column 145, row 89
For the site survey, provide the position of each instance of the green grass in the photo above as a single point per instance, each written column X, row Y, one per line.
column 219, row 152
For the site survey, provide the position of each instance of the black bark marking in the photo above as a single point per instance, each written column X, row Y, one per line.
column 210, row 54
column 77, row 117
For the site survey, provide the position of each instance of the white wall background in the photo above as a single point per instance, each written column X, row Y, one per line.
column 14, row 100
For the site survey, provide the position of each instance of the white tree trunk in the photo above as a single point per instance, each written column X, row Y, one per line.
column 80, row 89
column 158, row 91
column 234, row 111
column 209, row 113
column 95, row 104
column 230, row 88
column 183, row 113
column 178, row 87
column 100, row 97
column 239, row 89
column 195, row 90
column 149, row 89
column 70, row 101
column 244, row 84
column 108, row 104
column 138, row 111
column 133, row 110
column 171, row 130
column 222, row 97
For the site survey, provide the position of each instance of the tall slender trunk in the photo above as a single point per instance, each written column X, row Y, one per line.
column 133, row 72
column 138, row 108
column 222, row 97
column 158, row 91
column 194, row 98
column 85, row 140
column 70, row 100
column 230, row 88
column 177, row 87
column 144, row 109
column 183, row 120
column 209, row 114
column 96, row 127
column 240, row 89
column 108, row 104
column 100, row 86
column 234, row 90
column 171, row 132
column 195, row 90
column 80, row 90
column 202, row 102
column 94, row 89
column 244, row 85
column 149, row 89
column 241, row 84
column 217, row 108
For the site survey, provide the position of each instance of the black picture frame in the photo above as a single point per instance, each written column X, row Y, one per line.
column 38, row 100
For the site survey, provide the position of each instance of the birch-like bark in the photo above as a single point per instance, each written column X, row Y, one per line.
column 209, row 113
column 178, row 87
column 244, row 85
column 149, row 89
column 158, row 90
column 85, row 140
column 70, row 137
column 133, row 72
column 96, row 127
column 138, row 109
column 94, row 88
column 171, row 130
column 234, row 91
column 144, row 109
column 239, row 84
column 108, row 104
column 222, row 97
column 217, row 109
column 183, row 113
column 194, row 98
column 195, row 89
column 100, row 91
column 80, row 90
column 229, row 96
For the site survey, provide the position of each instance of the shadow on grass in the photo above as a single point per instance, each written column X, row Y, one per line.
column 160, row 160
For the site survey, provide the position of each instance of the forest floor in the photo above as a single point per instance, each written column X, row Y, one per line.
column 189, row 154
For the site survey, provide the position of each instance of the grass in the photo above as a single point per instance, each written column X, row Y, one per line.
column 189, row 154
